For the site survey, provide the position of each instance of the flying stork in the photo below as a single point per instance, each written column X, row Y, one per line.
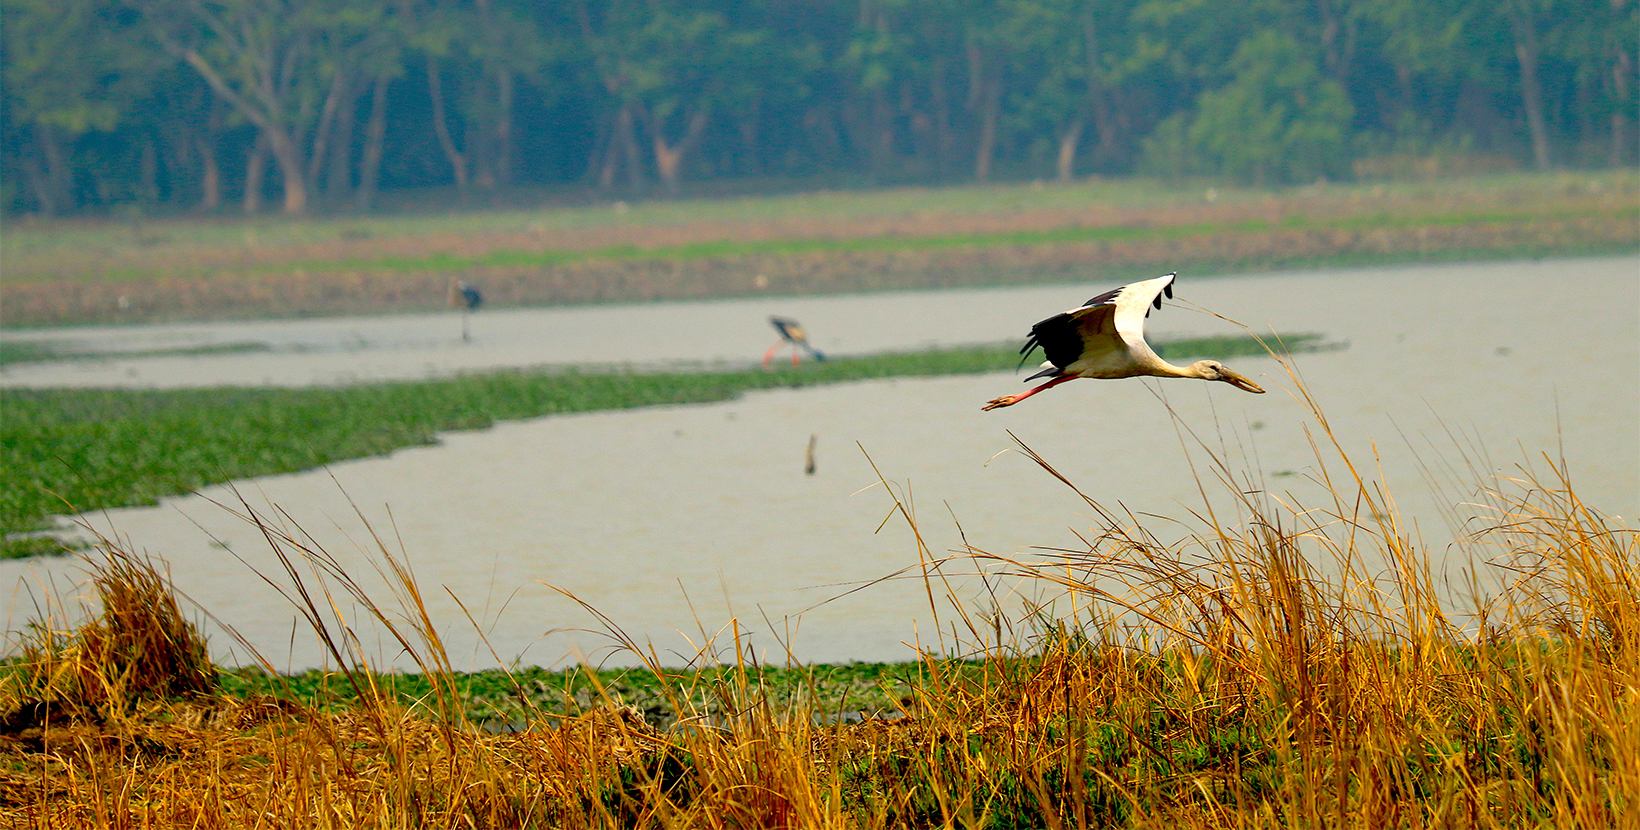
column 1105, row 338
column 791, row 332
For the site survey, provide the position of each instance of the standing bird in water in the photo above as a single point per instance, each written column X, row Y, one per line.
column 791, row 333
column 465, row 296
column 1105, row 338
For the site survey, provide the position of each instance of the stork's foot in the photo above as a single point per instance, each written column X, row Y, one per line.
column 998, row 403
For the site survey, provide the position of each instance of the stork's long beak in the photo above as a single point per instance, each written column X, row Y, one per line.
column 1240, row 382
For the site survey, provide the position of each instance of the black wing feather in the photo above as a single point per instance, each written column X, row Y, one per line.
column 1107, row 298
column 1059, row 337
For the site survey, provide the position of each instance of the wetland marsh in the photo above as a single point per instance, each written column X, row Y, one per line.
column 1305, row 643
column 674, row 520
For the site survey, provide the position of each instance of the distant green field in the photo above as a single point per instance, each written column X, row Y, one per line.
column 33, row 240
column 75, row 450
column 443, row 262
column 1507, row 197
column 142, row 270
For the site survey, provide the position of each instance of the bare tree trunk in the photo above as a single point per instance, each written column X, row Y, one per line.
column 458, row 161
column 626, row 134
column 1531, row 88
column 666, row 164
column 148, row 169
column 986, row 151
column 668, row 156
column 1068, row 140
column 1338, row 35
column 52, row 186
column 607, row 160
column 255, row 168
column 39, row 182
column 748, row 126
column 1098, row 99
column 1622, row 72
column 338, row 177
column 210, row 168
column 276, row 137
column 292, row 172
column 370, row 163
column 985, row 97
column 987, row 134
column 941, row 99
column 321, row 133
column 500, row 167
column 210, row 179
column 882, row 133
column 620, row 147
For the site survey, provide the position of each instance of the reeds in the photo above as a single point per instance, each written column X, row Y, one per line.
column 1283, row 664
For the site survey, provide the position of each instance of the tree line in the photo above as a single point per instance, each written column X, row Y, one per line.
column 329, row 104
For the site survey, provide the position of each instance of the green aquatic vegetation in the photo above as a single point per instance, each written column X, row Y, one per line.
column 76, row 450
column 46, row 351
column 26, row 352
column 500, row 700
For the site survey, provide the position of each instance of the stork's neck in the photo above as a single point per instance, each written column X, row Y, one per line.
column 1161, row 368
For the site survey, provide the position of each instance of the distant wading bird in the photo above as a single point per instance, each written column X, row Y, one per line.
column 791, row 333
column 465, row 296
column 1105, row 338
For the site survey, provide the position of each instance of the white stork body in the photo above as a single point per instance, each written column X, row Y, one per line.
column 1105, row 338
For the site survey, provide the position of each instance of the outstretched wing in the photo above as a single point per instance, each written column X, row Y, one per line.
column 1134, row 303
column 1111, row 322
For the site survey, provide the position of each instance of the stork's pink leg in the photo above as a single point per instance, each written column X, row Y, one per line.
column 794, row 354
column 769, row 355
column 1010, row 400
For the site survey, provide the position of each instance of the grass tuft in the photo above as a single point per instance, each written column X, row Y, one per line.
column 138, row 647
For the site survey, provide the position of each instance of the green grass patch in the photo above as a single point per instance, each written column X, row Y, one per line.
column 12, row 352
column 1509, row 198
column 27, row 242
column 728, row 248
column 443, row 262
column 508, row 699
column 27, row 352
column 76, row 450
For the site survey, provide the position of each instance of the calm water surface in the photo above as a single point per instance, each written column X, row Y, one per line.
column 682, row 523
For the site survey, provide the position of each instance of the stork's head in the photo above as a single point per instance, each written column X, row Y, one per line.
column 1214, row 370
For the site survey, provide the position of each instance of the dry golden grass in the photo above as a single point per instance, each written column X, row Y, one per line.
column 1288, row 665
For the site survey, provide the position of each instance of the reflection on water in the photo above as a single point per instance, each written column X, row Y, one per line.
column 673, row 521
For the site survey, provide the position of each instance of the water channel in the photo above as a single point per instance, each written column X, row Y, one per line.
column 686, row 524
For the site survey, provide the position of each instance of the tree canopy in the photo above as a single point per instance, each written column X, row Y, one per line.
column 330, row 104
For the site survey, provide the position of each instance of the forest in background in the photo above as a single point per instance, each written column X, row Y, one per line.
column 169, row 106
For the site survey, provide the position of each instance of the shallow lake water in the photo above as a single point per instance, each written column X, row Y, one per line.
column 685, row 524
